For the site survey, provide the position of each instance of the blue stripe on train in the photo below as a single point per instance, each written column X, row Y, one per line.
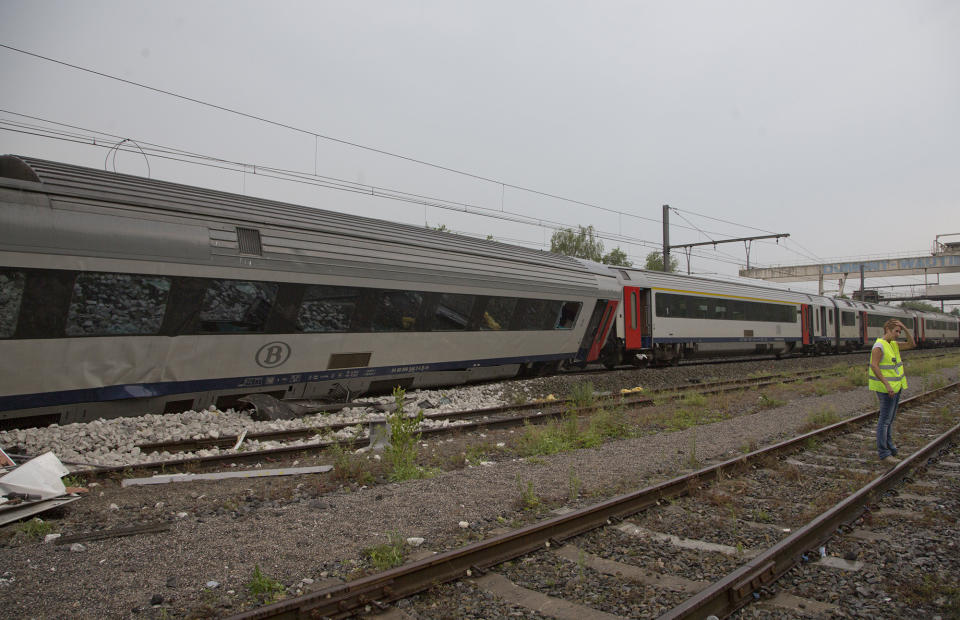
column 168, row 388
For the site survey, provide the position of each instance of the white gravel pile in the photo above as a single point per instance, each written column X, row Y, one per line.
column 114, row 442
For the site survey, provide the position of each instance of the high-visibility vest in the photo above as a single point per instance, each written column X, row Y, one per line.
column 892, row 368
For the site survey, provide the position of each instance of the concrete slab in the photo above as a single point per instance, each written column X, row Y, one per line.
column 898, row 512
column 936, row 470
column 919, row 498
column 391, row 614
column 790, row 602
column 684, row 543
column 840, row 563
column 870, row 536
column 547, row 605
column 825, row 467
column 629, row 571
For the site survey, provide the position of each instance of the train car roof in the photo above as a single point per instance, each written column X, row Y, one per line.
column 699, row 284
column 295, row 237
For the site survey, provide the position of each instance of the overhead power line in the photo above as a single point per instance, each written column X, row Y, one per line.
column 323, row 136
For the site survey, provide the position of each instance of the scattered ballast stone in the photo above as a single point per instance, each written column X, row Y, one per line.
column 114, row 442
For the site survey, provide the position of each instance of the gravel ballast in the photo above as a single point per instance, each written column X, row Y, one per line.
column 221, row 530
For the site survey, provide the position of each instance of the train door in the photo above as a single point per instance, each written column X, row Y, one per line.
column 863, row 328
column 805, row 322
column 634, row 316
column 823, row 321
column 600, row 337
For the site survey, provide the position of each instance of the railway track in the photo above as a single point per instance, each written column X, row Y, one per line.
column 706, row 543
column 506, row 416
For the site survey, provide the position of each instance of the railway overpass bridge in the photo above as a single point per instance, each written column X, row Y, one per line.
column 946, row 262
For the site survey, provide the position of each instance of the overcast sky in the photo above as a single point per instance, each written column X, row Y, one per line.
column 835, row 122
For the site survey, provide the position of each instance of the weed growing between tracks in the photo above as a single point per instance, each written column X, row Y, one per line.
column 36, row 528
column 401, row 454
column 263, row 588
column 824, row 416
column 386, row 555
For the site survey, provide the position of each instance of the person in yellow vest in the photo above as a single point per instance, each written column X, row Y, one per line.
column 888, row 380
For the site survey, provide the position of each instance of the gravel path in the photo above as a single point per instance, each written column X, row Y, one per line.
column 221, row 531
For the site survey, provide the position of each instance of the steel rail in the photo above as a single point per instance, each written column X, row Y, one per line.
column 346, row 599
column 556, row 409
column 187, row 445
column 725, row 596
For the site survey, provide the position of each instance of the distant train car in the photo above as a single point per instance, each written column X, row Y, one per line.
column 123, row 296
column 667, row 317
column 938, row 330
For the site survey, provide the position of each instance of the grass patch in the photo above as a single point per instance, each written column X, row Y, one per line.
column 765, row 401
column 74, row 481
column 386, row 555
column 528, row 500
column 349, row 467
column 582, row 396
column 264, row 588
column 824, row 416
column 35, row 528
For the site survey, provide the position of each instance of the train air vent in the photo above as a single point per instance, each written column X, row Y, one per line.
column 348, row 360
column 626, row 276
column 248, row 241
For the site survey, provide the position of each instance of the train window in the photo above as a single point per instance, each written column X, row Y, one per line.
column 327, row 309
column 633, row 309
column 830, row 317
column 738, row 310
column 497, row 315
column 453, row 312
column 571, row 310
column 11, row 294
column 720, row 310
column 848, row 318
column 396, row 311
column 236, row 305
column 674, row 306
column 536, row 314
column 117, row 303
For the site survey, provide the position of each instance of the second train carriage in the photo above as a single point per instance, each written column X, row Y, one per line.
column 123, row 296
column 666, row 317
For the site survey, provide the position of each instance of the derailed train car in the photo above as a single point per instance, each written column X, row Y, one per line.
column 123, row 296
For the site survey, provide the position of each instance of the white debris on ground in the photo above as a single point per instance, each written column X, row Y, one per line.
column 114, row 442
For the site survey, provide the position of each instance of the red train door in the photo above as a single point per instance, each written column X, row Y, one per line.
column 863, row 328
column 633, row 317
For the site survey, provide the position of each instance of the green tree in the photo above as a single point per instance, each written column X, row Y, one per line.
column 580, row 244
column 919, row 305
column 655, row 262
column 617, row 257
column 955, row 312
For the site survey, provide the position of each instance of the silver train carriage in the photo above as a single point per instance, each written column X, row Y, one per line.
column 666, row 317
column 121, row 295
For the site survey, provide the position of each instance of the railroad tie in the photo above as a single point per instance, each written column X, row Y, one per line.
column 557, row 608
column 629, row 571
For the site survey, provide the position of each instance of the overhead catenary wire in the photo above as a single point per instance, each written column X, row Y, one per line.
column 318, row 135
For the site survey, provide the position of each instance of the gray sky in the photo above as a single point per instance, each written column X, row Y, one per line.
column 835, row 122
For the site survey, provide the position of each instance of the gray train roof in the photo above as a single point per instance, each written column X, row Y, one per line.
column 676, row 281
column 181, row 223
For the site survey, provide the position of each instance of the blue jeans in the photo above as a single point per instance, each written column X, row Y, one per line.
column 888, row 411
